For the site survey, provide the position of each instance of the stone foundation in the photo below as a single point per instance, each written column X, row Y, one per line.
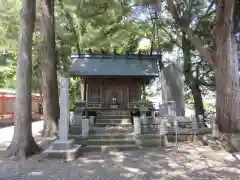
column 63, row 150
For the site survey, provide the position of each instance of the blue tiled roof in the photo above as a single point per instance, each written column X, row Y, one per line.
column 103, row 65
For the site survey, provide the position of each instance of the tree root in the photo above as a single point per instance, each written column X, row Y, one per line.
column 20, row 152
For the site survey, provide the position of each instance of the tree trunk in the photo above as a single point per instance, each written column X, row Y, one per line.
column 190, row 80
column 227, row 78
column 225, row 60
column 49, row 71
column 23, row 144
column 198, row 102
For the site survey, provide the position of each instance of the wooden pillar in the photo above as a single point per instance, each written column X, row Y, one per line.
column 144, row 89
column 128, row 100
column 101, row 91
column 85, row 91
column 82, row 89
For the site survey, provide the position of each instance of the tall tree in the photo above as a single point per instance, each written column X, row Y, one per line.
column 49, row 68
column 23, row 143
column 224, row 57
column 191, row 81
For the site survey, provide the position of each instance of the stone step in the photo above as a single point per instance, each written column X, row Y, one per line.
column 105, row 136
column 117, row 121
column 114, row 113
column 110, row 142
column 107, row 148
column 99, row 124
column 112, row 129
column 77, row 130
column 113, row 117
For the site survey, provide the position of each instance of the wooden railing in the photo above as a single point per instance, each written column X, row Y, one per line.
column 99, row 105
column 183, row 126
column 94, row 105
column 89, row 105
column 137, row 105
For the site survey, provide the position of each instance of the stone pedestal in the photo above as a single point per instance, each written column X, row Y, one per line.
column 63, row 147
column 78, row 120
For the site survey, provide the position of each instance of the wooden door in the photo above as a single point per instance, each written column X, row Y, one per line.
column 108, row 90
column 119, row 90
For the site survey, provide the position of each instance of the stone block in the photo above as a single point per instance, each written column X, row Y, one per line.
column 78, row 120
column 67, row 154
column 62, row 145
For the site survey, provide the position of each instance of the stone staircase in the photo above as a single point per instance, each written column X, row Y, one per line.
column 113, row 118
column 113, row 130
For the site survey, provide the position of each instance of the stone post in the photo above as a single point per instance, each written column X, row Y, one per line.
column 215, row 130
column 143, row 117
column 85, row 130
column 91, row 123
column 137, row 129
column 91, row 120
column 64, row 110
column 162, row 131
column 194, row 128
column 85, row 127
column 63, row 147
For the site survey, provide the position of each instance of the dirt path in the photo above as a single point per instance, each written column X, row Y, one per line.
column 191, row 161
column 6, row 133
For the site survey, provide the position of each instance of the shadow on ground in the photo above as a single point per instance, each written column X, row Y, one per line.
column 191, row 161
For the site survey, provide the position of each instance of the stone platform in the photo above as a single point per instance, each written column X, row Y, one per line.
column 66, row 150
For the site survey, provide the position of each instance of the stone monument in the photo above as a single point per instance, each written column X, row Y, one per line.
column 63, row 147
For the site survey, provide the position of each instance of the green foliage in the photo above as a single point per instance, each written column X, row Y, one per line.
column 144, row 102
column 9, row 25
column 108, row 25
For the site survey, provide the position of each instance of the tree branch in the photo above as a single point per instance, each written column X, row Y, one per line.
column 209, row 8
column 206, row 52
column 70, row 20
column 203, row 83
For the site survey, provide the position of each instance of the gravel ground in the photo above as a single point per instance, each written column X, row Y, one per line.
column 191, row 161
